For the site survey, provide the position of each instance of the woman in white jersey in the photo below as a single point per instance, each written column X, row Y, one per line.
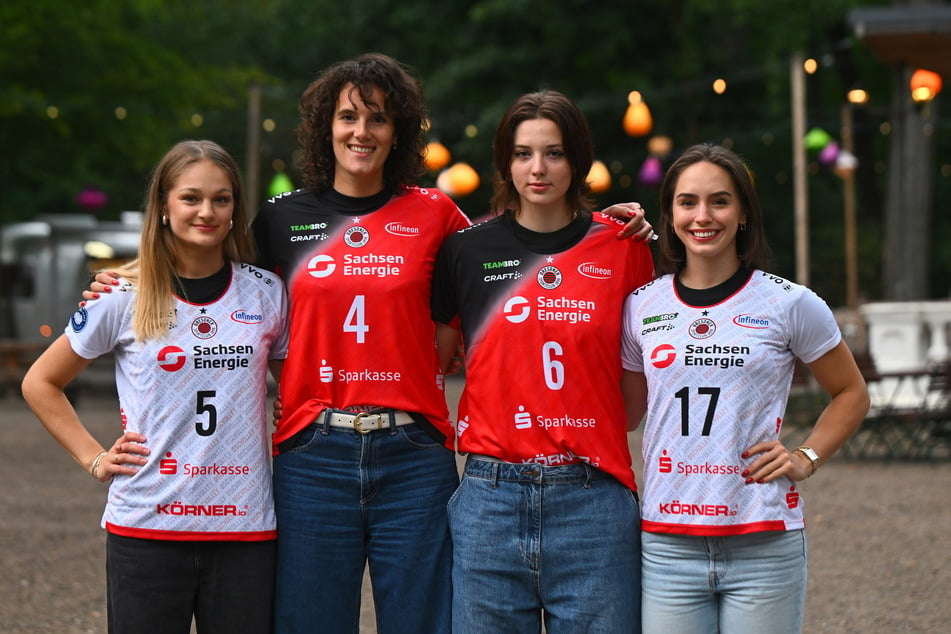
column 190, row 514
column 545, row 521
column 709, row 350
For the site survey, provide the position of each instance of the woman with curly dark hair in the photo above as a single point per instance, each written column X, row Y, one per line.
column 364, row 461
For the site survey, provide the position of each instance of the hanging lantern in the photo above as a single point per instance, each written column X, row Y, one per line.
column 280, row 184
column 599, row 178
column 436, row 156
column 637, row 119
column 651, row 173
column 845, row 164
column 816, row 139
column 92, row 199
column 458, row 180
column 660, row 145
column 925, row 85
column 829, row 153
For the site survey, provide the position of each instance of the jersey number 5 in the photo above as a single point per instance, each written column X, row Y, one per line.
column 208, row 427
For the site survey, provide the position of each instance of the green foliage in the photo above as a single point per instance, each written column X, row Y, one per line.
column 164, row 61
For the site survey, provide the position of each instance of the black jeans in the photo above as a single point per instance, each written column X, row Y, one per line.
column 157, row 586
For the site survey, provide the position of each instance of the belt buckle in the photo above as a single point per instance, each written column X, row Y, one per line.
column 359, row 417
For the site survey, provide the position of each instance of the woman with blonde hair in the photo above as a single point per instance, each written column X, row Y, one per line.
column 190, row 515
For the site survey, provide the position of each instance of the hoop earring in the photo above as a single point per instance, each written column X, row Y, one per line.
column 164, row 220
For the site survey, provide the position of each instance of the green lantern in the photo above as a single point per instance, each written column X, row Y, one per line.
column 280, row 184
column 816, row 139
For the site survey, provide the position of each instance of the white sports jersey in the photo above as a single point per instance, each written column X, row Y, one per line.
column 199, row 397
column 718, row 380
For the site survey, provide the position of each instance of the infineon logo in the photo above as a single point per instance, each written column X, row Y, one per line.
column 748, row 321
column 399, row 229
column 244, row 317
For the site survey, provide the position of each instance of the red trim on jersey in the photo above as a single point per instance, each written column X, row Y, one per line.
column 191, row 536
column 712, row 531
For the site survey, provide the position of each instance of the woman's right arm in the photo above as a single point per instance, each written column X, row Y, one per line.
column 43, row 389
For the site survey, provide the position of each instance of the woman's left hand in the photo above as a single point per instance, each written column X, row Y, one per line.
column 637, row 227
column 774, row 461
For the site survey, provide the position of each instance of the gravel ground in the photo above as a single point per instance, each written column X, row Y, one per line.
column 879, row 537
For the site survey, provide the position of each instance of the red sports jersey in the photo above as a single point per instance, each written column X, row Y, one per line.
column 359, row 287
column 541, row 318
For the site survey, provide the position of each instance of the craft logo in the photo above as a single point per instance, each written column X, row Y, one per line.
column 399, row 229
column 549, row 277
column 79, row 320
column 171, row 358
column 703, row 328
column 748, row 321
column 356, row 237
column 516, row 309
column 321, row 266
column 595, row 272
column 204, row 327
column 663, row 356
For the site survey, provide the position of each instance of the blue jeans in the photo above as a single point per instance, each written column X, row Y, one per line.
column 156, row 586
column 344, row 499
column 733, row 585
column 531, row 540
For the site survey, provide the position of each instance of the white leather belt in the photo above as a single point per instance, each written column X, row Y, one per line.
column 365, row 422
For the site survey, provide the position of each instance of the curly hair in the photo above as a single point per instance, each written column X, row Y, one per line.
column 403, row 101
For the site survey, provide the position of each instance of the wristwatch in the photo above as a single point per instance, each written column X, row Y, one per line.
column 811, row 455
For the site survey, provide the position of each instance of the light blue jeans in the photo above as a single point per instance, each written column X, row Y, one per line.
column 733, row 585
column 529, row 541
column 345, row 499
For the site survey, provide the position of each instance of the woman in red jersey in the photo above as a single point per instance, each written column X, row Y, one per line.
column 545, row 521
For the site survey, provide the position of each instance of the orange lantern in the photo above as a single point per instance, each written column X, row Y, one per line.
column 637, row 119
column 925, row 85
column 599, row 178
column 458, row 180
column 436, row 156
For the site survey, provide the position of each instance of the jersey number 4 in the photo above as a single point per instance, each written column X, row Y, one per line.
column 356, row 321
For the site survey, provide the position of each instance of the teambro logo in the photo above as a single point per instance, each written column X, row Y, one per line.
column 204, row 327
column 549, row 277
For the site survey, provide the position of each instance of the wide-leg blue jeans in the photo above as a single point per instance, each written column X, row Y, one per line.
column 344, row 499
column 533, row 542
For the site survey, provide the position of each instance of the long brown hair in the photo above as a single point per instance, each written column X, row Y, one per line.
column 751, row 246
column 154, row 269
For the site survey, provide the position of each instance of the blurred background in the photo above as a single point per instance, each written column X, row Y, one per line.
column 834, row 103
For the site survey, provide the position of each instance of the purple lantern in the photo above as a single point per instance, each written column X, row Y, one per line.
column 92, row 199
column 652, row 172
column 829, row 153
